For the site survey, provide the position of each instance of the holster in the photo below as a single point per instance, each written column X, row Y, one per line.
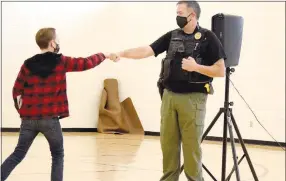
column 161, row 87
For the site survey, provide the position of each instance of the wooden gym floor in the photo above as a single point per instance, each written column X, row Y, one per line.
column 99, row 157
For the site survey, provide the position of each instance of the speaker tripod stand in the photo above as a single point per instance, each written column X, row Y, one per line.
column 229, row 122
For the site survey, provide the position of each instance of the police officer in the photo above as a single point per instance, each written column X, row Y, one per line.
column 194, row 56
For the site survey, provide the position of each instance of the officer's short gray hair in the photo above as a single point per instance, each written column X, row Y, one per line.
column 194, row 5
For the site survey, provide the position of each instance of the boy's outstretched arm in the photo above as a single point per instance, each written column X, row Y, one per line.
column 78, row 64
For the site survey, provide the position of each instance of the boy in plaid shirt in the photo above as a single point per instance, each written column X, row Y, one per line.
column 40, row 97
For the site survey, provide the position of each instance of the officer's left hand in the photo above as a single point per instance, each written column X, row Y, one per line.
column 189, row 64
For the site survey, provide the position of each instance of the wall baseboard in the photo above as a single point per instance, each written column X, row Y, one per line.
column 150, row 133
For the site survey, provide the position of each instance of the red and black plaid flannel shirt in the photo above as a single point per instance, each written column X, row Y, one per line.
column 47, row 98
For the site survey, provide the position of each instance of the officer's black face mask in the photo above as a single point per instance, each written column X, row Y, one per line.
column 182, row 21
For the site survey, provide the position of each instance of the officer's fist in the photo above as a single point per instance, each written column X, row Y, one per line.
column 189, row 64
column 117, row 57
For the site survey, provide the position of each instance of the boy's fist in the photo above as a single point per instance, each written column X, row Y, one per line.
column 112, row 56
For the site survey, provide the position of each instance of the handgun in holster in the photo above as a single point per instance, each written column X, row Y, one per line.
column 160, row 83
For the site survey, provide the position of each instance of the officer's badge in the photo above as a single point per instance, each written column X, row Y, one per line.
column 198, row 36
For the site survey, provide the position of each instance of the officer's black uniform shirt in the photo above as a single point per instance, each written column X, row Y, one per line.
column 212, row 52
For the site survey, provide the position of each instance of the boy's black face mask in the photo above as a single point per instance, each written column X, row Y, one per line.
column 57, row 49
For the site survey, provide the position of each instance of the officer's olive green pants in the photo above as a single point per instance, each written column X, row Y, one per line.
column 182, row 120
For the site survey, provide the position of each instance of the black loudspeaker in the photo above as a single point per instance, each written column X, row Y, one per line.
column 229, row 28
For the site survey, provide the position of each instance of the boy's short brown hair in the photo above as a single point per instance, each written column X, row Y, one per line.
column 44, row 36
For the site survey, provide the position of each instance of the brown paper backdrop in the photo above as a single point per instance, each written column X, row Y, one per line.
column 115, row 116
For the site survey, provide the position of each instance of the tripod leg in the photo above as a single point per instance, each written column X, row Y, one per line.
column 210, row 174
column 243, row 147
column 212, row 123
column 233, row 147
column 206, row 169
column 224, row 146
column 233, row 169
